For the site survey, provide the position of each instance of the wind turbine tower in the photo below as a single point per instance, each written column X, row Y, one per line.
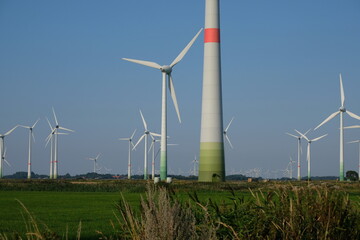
column 212, row 159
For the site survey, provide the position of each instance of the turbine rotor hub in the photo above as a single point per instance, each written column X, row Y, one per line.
column 166, row 69
column 342, row 109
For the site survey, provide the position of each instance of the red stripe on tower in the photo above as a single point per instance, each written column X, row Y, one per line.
column 212, row 35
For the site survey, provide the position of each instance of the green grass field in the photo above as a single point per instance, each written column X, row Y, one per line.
column 62, row 210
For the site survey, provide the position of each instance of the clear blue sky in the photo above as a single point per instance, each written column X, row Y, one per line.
column 280, row 67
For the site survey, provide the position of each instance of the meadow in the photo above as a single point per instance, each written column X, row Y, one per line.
column 64, row 209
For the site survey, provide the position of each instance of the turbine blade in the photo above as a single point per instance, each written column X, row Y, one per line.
column 353, row 115
column 35, row 123
column 66, row 129
column 48, row 139
column 185, row 50
column 307, row 131
column 49, row 124
column 56, row 121
column 139, row 141
column 133, row 134
column 302, row 135
column 97, row 157
column 173, row 96
column 33, row 137
column 151, row 145
column 146, row 63
column 229, row 124
column 124, row 139
column 23, row 126
column 144, row 122
column 355, row 126
column 227, row 138
column 157, row 153
column 11, row 130
column 155, row 134
column 7, row 162
column 318, row 138
column 133, row 146
column 327, row 119
column 342, row 95
column 356, row 141
column 291, row 135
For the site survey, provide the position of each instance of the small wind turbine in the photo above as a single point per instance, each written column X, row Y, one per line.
column 308, row 155
column 129, row 156
column 341, row 111
column 31, row 135
column 357, row 141
column 225, row 132
column 2, row 148
column 95, row 160
column 166, row 72
column 195, row 162
column 57, row 127
column 145, row 136
column 299, row 151
column 154, row 156
column 290, row 167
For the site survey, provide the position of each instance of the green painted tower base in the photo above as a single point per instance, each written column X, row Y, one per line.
column 163, row 166
column 211, row 164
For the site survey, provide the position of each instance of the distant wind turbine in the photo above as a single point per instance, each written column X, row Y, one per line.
column 95, row 160
column 299, row 151
column 166, row 72
column 2, row 148
column 195, row 162
column 225, row 132
column 145, row 136
column 308, row 155
column 31, row 135
column 290, row 167
column 357, row 141
column 131, row 144
column 341, row 111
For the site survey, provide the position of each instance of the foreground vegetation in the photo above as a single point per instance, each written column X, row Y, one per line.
column 183, row 210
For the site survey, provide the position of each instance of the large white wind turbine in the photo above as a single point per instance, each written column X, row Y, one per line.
column 166, row 72
column 145, row 136
column 299, row 151
column 131, row 144
column 56, row 160
column 225, row 132
column 31, row 135
column 95, row 160
column 341, row 111
column 357, row 141
column 308, row 154
column 2, row 148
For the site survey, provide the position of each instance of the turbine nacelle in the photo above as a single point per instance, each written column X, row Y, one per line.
column 166, row 69
column 342, row 109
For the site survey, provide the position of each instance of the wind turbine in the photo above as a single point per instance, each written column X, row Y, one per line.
column 2, row 148
column 225, row 132
column 154, row 156
column 31, row 135
column 195, row 162
column 56, row 130
column 50, row 139
column 166, row 73
column 145, row 135
column 290, row 167
column 299, row 151
column 357, row 141
column 308, row 155
column 341, row 111
column 129, row 156
column 95, row 159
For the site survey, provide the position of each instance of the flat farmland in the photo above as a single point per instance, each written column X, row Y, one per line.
column 62, row 205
